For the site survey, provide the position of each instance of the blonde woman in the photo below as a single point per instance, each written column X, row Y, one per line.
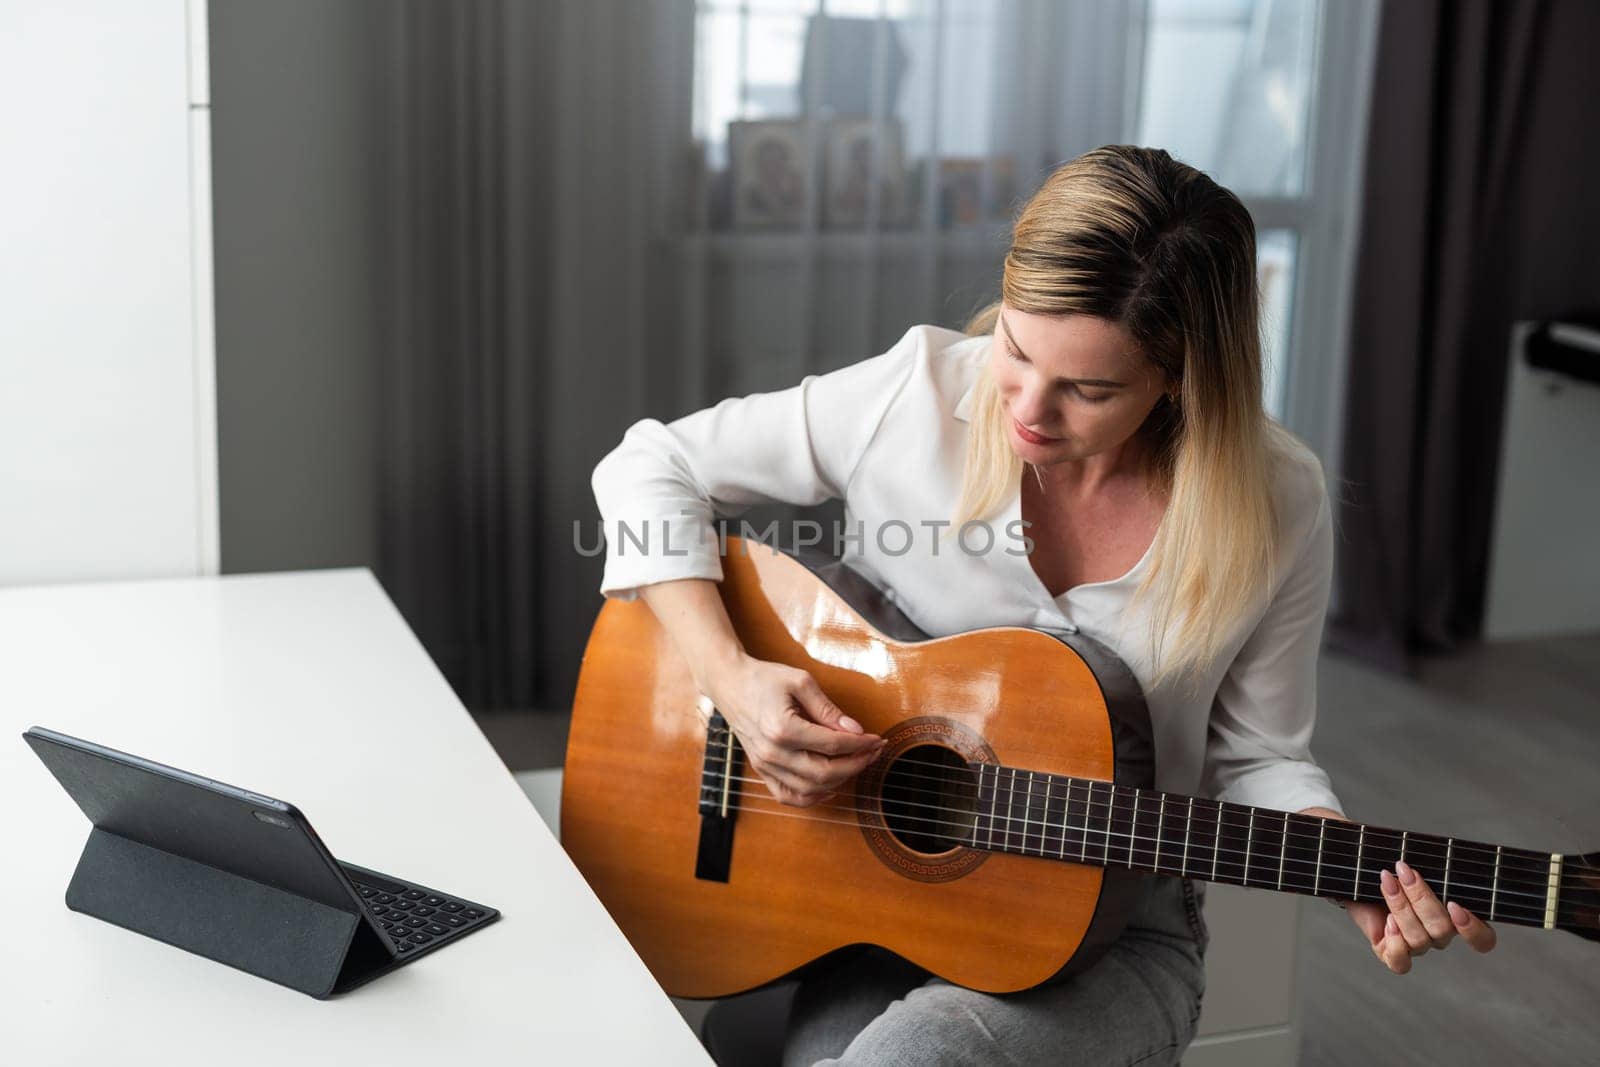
column 1090, row 455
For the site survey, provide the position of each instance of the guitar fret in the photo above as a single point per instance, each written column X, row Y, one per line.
column 1083, row 842
column 1216, row 840
column 1133, row 829
column 1086, row 816
column 1161, row 818
column 1249, row 845
column 994, row 807
column 1188, row 825
column 1495, row 892
column 1044, row 814
column 1049, row 784
column 1316, row 886
column 1027, row 806
column 1023, row 845
column 1283, row 849
column 1044, row 819
column 1066, row 818
column 1355, row 884
column 1011, row 799
column 1111, row 800
column 996, row 826
column 978, row 815
column 1449, row 847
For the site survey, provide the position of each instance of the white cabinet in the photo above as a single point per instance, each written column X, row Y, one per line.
column 107, row 410
column 1544, row 579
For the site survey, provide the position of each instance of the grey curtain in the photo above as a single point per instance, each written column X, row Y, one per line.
column 1481, row 158
column 512, row 268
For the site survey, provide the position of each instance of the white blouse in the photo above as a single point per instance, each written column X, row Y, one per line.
column 887, row 435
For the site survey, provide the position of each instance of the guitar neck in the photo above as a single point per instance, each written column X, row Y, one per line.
column 1081, row 820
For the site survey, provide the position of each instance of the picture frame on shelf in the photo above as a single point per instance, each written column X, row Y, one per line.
column 1002, row 187
column 849, row 169
column 770, row 161
column 961, row 190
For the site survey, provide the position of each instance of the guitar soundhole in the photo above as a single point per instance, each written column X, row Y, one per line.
column 929, row 797
column 917, row 801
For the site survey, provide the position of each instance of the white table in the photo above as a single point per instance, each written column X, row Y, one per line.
column 306, row 686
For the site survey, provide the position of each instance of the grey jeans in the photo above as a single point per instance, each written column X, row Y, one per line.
column 1137, row 1004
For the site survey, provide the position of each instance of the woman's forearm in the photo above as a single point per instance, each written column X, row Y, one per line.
column 692, row 613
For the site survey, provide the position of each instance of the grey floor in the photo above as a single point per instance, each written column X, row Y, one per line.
column 1498, row 744
column 1501, row 744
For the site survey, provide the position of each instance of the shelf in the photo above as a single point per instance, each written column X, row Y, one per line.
column 777, row 245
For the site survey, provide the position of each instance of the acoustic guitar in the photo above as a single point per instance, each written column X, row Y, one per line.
column 997, row 842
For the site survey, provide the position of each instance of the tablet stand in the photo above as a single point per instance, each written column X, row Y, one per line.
column 268, row 932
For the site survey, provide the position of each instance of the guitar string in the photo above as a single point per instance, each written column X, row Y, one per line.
column 1479, row 896
column 1325, row 862
column 1509, row 858
column 1468, row 889
column 1536, row 860
column 1099, row 809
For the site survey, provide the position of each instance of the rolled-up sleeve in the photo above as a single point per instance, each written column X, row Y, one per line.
column 660, row 489
column 1258, row 746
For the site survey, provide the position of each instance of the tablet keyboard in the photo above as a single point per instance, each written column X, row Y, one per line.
column 413, row 916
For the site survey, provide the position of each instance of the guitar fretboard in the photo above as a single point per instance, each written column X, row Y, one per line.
column 1082, row 820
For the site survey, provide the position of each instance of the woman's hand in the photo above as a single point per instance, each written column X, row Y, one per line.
column 1411, row 920
column 800, row 742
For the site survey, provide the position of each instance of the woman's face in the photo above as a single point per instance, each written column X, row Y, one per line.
column 1072, row 385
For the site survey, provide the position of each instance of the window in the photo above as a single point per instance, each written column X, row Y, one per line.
column 1226, row 87
column 877, row 140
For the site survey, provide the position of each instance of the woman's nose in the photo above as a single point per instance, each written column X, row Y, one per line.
column 1031, row 408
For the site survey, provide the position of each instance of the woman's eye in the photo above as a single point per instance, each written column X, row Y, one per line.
column 1088, row 398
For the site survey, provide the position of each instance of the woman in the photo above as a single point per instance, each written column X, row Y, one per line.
column 1108, row 409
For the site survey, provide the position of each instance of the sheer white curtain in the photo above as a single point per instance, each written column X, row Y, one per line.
column 963, row 107
column 853, row 167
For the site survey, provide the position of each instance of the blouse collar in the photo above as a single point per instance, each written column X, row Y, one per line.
column 963, row 409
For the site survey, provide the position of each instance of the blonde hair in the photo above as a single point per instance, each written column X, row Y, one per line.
column 1132, row 236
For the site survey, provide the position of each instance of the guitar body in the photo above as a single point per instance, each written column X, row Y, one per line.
column 800, row 883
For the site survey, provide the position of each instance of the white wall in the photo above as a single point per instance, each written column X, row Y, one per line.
column 107, row 412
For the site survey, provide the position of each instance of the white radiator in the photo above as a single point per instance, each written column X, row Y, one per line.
column 1544, row 561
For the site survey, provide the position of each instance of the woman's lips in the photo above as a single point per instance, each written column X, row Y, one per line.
column 1031, row 437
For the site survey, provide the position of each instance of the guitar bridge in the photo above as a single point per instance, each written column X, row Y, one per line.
column 719, row 800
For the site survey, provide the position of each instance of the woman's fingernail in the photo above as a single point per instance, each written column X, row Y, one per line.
column 1458, row 914
column 1386, row 880
column 850, row 724
column 1407, row 875
column 1389, row 926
